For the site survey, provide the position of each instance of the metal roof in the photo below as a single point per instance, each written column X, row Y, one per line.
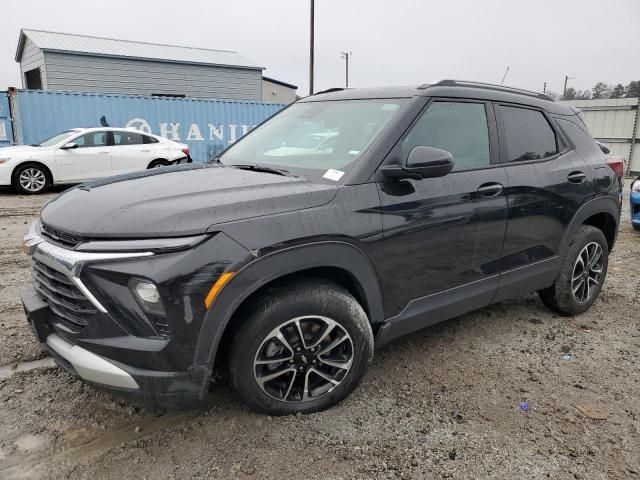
column 279, row 82
column 87, row 45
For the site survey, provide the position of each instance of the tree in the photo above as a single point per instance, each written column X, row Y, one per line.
column 633, row 89
column 583, row 95
column 618, row 91
column 569, row 94
column 601, row 90
column 553, row 95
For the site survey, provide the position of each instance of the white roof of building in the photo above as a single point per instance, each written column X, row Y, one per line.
column 87, row 45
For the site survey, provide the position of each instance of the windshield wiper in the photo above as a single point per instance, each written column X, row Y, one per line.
column 261, row 168
column 34, row 145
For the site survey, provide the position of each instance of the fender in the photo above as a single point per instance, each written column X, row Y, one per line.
column 606, row 204
column 272, row 266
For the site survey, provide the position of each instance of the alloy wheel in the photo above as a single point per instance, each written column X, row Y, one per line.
column 303, row 359
column 587, row 272
column 32, row 179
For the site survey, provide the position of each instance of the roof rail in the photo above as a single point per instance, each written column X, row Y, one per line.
column 329, row 90
column 487, row 86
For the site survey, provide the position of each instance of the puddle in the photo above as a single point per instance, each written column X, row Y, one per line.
column 7, row 370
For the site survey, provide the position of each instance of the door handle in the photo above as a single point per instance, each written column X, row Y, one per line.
column 490, row 189
column 576, row 177
column 145, row 151
column 103, row 153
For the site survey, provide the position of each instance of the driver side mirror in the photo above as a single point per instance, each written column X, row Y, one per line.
column 69, row 146
column 423, row 162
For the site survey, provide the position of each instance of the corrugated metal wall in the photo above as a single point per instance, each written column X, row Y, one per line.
column 6, row 132
column 615, row 121
column 207, row 126
column 84, row 73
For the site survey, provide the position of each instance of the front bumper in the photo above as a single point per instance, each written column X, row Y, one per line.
column 117, row 346
column 5, row 174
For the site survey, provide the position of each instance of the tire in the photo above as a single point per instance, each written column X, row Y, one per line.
column 583, row 249
column 31, row 179
column 636, row 226
column 328, row 317
column 158, row 164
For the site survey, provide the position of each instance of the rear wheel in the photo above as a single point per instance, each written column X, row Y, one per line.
column 581, row 275
column 158, row 164
column 31, row 179
column 302, row 349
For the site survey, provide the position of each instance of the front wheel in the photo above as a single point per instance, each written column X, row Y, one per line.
column 581, row 275
column 31, row 179
column 302, row 349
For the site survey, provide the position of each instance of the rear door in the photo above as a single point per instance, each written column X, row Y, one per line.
column 90, row 159
column 443, row 236
column 129, row 152
column 547, row 184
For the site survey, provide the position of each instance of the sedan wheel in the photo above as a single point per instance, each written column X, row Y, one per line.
column 30, row 179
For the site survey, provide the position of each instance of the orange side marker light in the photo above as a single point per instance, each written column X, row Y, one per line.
column 215, row 289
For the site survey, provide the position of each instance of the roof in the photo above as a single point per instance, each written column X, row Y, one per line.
column 98, row 46
column 279, row 82
column 449, row 89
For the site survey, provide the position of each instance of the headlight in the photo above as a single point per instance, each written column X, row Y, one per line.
column 635, row 188
column 5, row 159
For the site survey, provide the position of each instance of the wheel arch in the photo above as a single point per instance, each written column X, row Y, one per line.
column 158, row 160
column 47, row 169
column 602, row 213
column 340, row 262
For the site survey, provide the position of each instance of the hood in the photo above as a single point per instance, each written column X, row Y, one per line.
column 177, row 201
column 18, row 150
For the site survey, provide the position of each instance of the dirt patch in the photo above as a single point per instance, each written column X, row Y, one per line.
column 491, row 394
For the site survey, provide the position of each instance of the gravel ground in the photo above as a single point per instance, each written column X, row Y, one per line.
column 442, row 403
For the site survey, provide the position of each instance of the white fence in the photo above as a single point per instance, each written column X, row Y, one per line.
column 616, row 122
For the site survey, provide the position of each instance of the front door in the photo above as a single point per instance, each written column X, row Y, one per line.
column 443, row 236
column 90, row 159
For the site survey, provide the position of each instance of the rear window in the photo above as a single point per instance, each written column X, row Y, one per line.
column 528, row 134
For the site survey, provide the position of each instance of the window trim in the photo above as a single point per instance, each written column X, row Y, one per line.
column 492, row 130
column 562, row 145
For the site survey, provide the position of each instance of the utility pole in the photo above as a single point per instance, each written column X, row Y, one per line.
column 544, row 88
column 566, row 79
column 311, row 47
column 346, row 56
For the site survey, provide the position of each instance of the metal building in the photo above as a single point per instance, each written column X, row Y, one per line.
column 616, row 122
column 60, row 61
column 276, row 91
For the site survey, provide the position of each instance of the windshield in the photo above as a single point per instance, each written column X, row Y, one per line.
column 311, row 138
column 49, row 142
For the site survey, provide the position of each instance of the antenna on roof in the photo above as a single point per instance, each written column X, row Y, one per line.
column 505, row 75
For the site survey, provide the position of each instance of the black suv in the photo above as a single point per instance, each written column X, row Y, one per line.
column 347, row 220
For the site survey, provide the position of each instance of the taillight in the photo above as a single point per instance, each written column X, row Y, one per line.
column 186, row 151
column 617, row 166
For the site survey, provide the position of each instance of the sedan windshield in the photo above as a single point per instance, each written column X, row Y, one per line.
column 56, row 139
column 313, row 137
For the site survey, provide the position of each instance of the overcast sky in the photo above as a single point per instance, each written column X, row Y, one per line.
column 393, row 41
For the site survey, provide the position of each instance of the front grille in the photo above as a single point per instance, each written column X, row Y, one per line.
column 60, row 237
column 70, row 306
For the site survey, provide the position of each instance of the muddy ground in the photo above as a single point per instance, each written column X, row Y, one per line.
column 443, row 403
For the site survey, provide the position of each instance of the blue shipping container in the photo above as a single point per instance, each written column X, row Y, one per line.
column 6, row 132
column 207, row 126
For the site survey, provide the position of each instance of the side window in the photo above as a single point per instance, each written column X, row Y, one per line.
column 585, row 145
column 460, row 128
column 147, row 139
column 93, row 139
column 127, row 138
column 528, row 134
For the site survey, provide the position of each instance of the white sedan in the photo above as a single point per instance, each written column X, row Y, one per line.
column 83, row 154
